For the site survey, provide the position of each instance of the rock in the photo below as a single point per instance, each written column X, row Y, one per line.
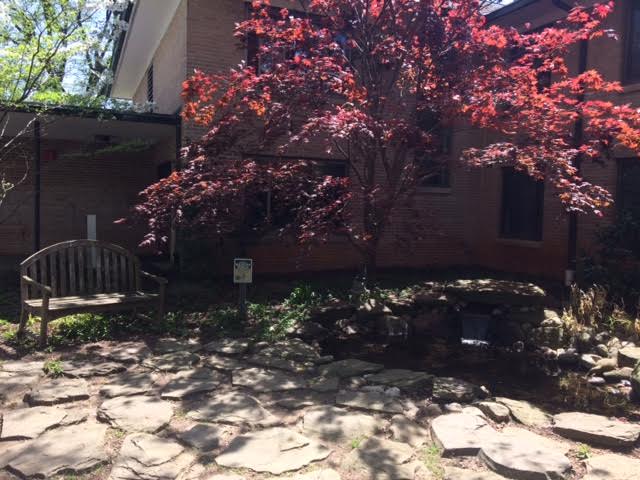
column 324, row 384
column 403, row 379
column 128, row 383
column 275, row 451
column 332, row 311
column 460, row 434
column 323, row 474
column 618, row 374
column 407, row 431
column 146, row 457
column 311, row 331
column 228, row 346
column 604, row 365
column 273, row 361
column 589, row 360
column 393, row 326
column 596, row 381
column 23, row 367
column 296, row 399
column 291, row 349
column 635, row 381
column 223, row 476
column 497, row 292
column 548, row 336
column 601, row 350
column 448, row 389
column 234, row 408
column 202, row 437
column 372, row 308
column 338, row 425
column 596, row 429
column 612, row 467
column 584, row 341
column 136, row 414
column 69, row 450
column 629, row 356
column 14, row 385
column 189, row 382
column 433, row 410
column 349, row 368
column 569, row 357
column 518, row 453
column 128, row 352
column 84, row 369
column 526, row 413
column 379, row 458
column 56, row 391
column 27, row 423
column 170, row 345
column 602, row 337
column 494, row 410
column 378, row 402
column 226, row 364
column 453, row 407
column 455, row 473
column 171, row 362
column 262, row 380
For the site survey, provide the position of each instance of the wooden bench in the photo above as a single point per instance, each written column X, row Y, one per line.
column 83, row 276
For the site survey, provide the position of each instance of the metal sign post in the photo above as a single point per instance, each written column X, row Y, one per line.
column 242, row 275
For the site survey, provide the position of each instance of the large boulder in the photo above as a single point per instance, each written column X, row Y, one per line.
column 629, row 356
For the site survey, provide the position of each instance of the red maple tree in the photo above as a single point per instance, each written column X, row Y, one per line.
column 376, row 81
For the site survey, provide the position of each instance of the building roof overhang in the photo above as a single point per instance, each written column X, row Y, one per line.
column 148, row 22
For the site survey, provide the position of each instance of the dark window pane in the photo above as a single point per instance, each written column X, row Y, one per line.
column 331, row 168
column 522, row 206
column 629, row 187
column 633, row 44
column 434, row 165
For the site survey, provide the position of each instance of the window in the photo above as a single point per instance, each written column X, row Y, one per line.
column 628, row 194
column 150, row 84
column 434, row 164
column 632, row 60
column 522, row 206
column 164, row 170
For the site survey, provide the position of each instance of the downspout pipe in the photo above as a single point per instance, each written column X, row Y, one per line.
column 578, row 134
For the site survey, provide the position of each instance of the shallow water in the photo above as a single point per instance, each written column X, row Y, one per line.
column 515, row 375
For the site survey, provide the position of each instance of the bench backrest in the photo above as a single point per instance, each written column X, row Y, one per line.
column 81, row 267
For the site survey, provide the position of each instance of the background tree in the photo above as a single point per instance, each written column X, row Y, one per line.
column 376, row 80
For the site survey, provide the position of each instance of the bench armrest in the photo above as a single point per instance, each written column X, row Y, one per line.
column 155, row 278
column 46, row 290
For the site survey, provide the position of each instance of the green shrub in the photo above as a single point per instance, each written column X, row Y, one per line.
column 53, row 368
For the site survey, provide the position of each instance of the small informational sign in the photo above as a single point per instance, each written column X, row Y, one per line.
column 242, row 270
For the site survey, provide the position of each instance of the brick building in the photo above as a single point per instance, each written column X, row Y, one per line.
column 488, row 218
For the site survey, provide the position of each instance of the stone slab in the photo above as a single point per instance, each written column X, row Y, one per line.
column 460, row 434
column 228, row 346
column 495, row 411
column 611, row 466
column 28, row 423
column 202, row 436
column 449, row 389
column 128, row 352
column 629, row 356
column 224, row 363
column 349, row 368
column 407, row 431
column 262, row 380
column 526, row 413
column 275, row 451
column 339, row 425
column 234, row 408
column 596, row 429
column 190, row 382
column 136, row 413
column 171, row 362
column 372, row 401
column 379, row 459
column 455, row 473
column 129, row 383
column 86, row 369
column 402, row 379
column 57, row 391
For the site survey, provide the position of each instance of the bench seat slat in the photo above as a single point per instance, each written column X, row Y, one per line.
column 64, row 303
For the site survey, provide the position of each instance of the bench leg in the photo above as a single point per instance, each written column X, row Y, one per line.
column 24, row 316
column 44, row 323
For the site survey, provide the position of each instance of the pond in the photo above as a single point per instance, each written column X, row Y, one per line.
column 521, row 376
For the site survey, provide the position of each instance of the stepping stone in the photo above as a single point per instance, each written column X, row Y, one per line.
column 262, row 380
column 68, row 450
column 170, row 345
column 228, row 346
column 189, row 382
column 612, row 467
column 596, row 429
column 518, row 453
column 324, row 384
column 286, row 364
column 295, row 400
column 629, row 356
column 128, row 352
column 146, row 457
column 402, row 379
column 455, row 473
column 494, row 410
column 233, row 408
column 526, row 413
column 171, row 362
column 27, row 423
column 84, row 369
column 59, row 390
column 224, row 476
column 407, row 431
column 379, row 458
column 292, row 349
column 14, row 385
column 202, row 436
column 448, row 389
column 339, row 425
column 275, row 451
column 374, row 401
column 460, row 434
column 348, row 368
column 136, row 414
column 127, row 384
column 24, row 367
column 226, row 364
column 618, row 374
column 324, row 474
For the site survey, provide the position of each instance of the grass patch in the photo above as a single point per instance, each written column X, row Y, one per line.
column 583, row 452
column 357, row 442
column 432, row 458
column 53, row 368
